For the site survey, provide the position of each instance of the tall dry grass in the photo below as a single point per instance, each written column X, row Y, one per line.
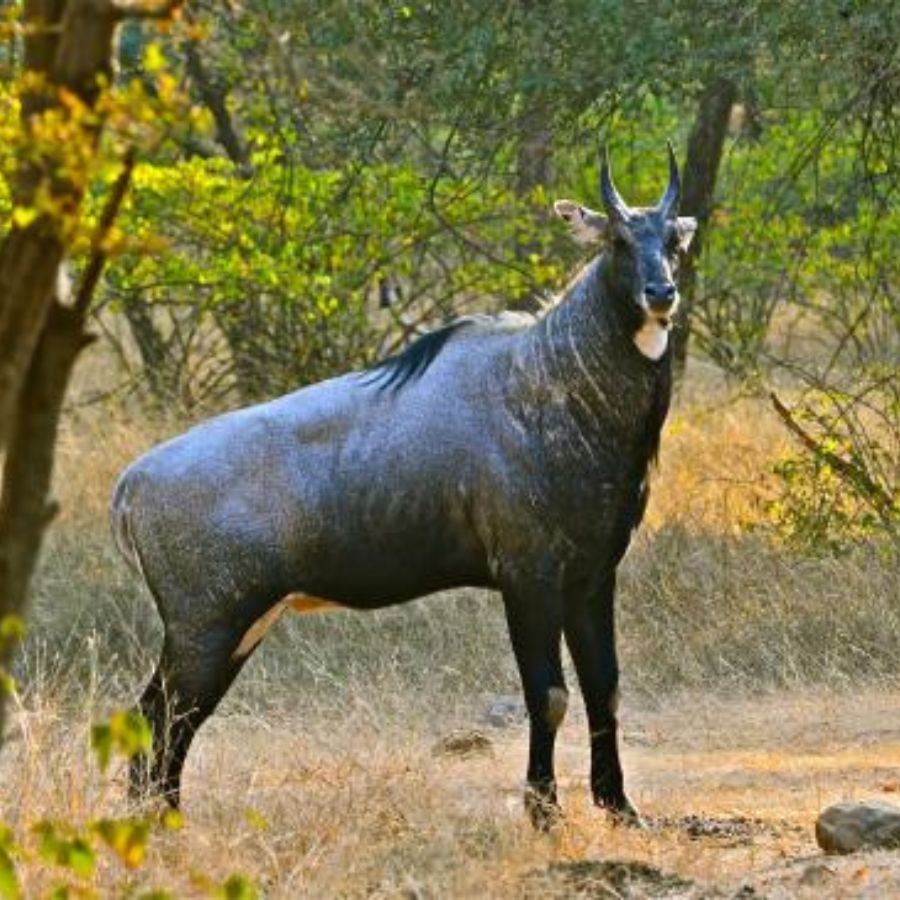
column 317, row 778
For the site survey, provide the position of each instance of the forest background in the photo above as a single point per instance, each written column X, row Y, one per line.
column 244, row 198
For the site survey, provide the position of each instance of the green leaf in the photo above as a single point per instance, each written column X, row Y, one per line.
column 126, row 732
column 101, row 743
column 81, row 858
column 7, row 682
column 12, row 627
column 237, row 887
column 9, row 882
column 66, row 848
column 127, row 838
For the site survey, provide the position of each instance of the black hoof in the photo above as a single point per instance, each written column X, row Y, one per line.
column 542, row 807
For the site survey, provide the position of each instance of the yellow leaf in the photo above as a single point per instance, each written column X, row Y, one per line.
column 154, row 59
column 172, row 820
column 23, row 216
column 256, row 820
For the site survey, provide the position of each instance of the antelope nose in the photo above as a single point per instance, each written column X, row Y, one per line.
column 660, row 295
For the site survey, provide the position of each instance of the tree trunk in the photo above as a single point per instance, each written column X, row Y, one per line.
column 68, row 52
column 29, row 263
column 701, row 168
column 214, row 96
column 151, row 345
column 25, row 507
column 535, row 157
column 534, row 168
column 239, row 322
column 68, row 47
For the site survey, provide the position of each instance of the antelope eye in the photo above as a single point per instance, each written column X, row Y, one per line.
column 672, row 242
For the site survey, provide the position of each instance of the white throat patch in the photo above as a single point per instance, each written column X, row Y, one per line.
column 652, row 338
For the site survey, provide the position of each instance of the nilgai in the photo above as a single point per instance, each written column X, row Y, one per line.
column 507, row 451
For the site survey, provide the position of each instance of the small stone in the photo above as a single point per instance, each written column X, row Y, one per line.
column 847, row 827
column 816, row 875
column 463, row 743
column 412, row 890
column 745, row 892
column 505, row 711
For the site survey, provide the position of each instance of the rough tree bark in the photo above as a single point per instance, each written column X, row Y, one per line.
column 68, row 53
column 24, row 498
column 534, row 157
column 701, row 169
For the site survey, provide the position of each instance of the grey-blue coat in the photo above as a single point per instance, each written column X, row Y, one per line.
column 507, row 451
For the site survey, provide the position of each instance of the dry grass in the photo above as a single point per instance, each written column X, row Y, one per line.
column 318, row 778
column 337, row 807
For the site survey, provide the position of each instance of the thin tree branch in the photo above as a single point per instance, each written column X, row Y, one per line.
column 108, row 217
column 880, row 498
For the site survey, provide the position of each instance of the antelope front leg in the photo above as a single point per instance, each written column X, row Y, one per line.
column 535, row 629
column 590, row 635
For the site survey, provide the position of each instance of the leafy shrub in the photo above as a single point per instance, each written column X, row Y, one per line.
column 73, row 853
column 268, row 284
column 798, row 286
column 844, row 486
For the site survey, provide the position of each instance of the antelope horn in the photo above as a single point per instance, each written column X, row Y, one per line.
column 668, row 206
column 615, row 206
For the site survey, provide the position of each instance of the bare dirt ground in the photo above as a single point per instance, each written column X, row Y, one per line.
column 730, row 790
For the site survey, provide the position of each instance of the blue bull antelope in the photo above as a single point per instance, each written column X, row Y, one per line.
column 508, row 452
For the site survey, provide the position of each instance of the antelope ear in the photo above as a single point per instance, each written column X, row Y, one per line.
column 587, row 226
column 686, row 227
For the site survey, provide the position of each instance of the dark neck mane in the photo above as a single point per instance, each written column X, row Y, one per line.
column 411, row 363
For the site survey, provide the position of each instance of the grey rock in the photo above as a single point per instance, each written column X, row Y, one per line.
column 816, row 875
column 505, row 710
column 847, row 827
column 745, row 892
